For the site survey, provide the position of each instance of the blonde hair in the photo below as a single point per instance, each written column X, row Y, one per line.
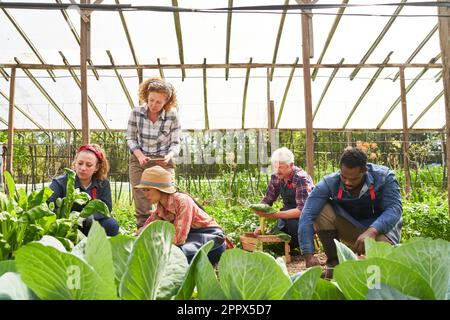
column 156, row 84
column 103, row 165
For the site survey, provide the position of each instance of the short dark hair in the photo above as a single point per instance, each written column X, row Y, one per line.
column 353, row 157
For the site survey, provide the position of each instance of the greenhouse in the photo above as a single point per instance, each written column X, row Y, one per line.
column 246, row 88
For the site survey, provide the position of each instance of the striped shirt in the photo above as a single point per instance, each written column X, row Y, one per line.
column 184, row 214
column 299, row 180
column 153, row 139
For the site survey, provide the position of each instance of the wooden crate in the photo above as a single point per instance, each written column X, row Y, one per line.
column 251, row 243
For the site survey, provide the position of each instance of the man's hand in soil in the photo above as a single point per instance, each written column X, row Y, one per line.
column 359, row 244
column 311, row 260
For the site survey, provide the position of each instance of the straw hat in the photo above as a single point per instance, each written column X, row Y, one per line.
column 157, row 178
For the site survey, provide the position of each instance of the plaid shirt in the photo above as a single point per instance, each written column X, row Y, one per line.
column 154, row 139
column 299, row 180
column 184, row 214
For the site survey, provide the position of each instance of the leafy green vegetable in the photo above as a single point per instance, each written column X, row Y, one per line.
column 251, row 276
column 283, row 236
column 262, row 207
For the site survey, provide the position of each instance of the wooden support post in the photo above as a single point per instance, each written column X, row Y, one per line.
column 9, row 155
column 84, row 56
column 68, row 148
column 405, row 134
column 140, row 75
column 271, row 123
column 270, row 114
column 307, row 91
column 444, row 35
column 205, row 97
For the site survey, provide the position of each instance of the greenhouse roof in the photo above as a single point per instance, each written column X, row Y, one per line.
column 227, row 58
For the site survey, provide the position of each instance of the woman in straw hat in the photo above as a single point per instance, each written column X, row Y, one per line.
column 153, row 136
column 91, row 168
column 193, row 226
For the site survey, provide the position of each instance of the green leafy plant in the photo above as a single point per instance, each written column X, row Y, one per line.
column 25, row 218
column 262, row 220
column 418, row 269
column 149, row 267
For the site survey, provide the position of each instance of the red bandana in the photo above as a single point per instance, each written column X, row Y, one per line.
column 94, row 149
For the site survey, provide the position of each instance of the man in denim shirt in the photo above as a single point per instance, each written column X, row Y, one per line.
column 361, row 200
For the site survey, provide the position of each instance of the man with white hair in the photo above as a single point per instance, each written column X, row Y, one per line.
column 294, row 185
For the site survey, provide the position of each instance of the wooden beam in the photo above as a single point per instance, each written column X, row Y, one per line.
column 122, row 83
column 327, row 86
column 422, row 130
column 444, row 36
column 76, row 36
column 244, row 65
column 330, row 37
column 228, row 41
column 10, row 154
column 268, row 94
column 419, row 47
column 378, row 40
column 84, row 56
column 307, row 93
column 176, row 17
column 438, row 76
column 271, row 123
column 46, row 95
column 91, row 102
column 244, row 99
column 130, row 42
column 286, row 91
column 408, row 88
column 277, row 41
column 430, row 105
column 205, row 97
column 161, row 71
column 366, row 91
column 405, row 134
column 270, row 108
column 2, row 120
column 28, row 42
column 4, row 74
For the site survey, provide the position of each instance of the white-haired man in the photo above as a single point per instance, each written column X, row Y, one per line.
column 294, row 185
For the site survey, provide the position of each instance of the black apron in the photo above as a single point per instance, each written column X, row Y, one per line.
column 289, row 226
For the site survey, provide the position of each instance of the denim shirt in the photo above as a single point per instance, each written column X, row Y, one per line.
column 384, row 213
column 59, row 187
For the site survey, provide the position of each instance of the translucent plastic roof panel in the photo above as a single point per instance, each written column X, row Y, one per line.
column 46, row 29
column 417, row 99
column 434, row 117
column 20, row 121
column 204, row 35
column 152, row 33
column 253, row 35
